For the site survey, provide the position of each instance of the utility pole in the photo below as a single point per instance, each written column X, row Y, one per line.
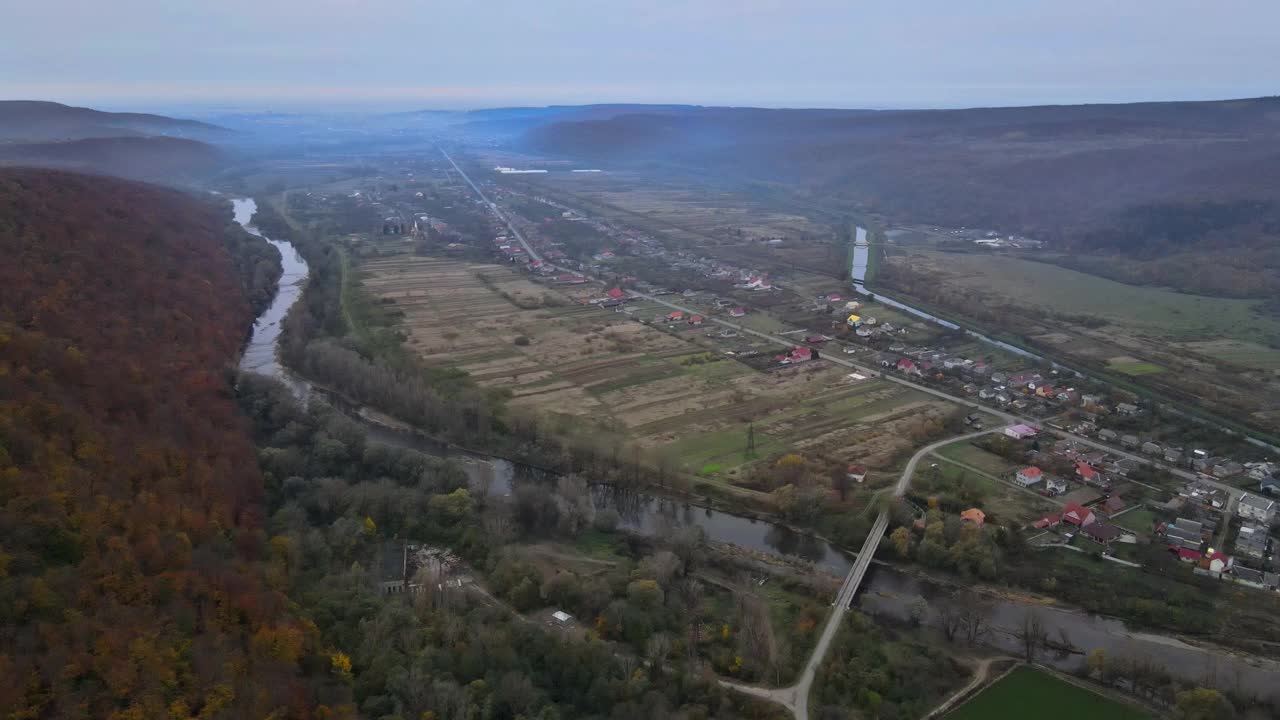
column 751, row 439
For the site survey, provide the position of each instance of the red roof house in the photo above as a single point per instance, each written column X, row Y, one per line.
column 1077, row 514
column 616, row 294
column 797, row 355
column 675, row 315
column 1047, row 521
column 1029, row 476
column 908, row 366
column 695, row 319
column 1186, row 555
column 737, row 312
column 973, row 515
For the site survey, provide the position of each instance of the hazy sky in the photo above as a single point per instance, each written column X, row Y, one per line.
column 459, row 54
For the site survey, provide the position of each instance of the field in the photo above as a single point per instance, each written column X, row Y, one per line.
column 1238, row 352
column 686, row 214
column 1030, row 692
column 1143, row 308
column 1133, row 367
column 1140, row 521
column 669, row 387
column 1221, row 351
column 966, row 452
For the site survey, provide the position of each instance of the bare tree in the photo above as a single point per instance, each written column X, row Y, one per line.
column 655, row 652
column 950, row 619
column 756, row 634
column 974, row 616
column 574, row 500
column 1032, row 634
column 691, row 594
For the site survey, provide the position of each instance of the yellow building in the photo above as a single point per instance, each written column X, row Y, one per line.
column 854, row 321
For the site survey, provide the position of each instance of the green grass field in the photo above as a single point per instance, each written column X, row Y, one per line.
column 1135, row 368
column 1152, row 309
column 1139, row 521
column 965, row 452
column 1027, row 692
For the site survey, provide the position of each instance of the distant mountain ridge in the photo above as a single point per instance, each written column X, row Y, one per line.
column 33, row 120
column 131, row 145
column 1103, row 179
column 141, row 158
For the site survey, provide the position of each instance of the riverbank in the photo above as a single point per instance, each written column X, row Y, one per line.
column 655, row 512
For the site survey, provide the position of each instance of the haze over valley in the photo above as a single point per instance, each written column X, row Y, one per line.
column 752, row 361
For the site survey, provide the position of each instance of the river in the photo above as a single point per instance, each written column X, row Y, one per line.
column 886, row 591
column 262, row 354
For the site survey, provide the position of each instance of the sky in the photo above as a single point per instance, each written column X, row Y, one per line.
column 407, row 54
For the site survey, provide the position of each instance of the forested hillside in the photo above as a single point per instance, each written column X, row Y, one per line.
column 131, row 504
column 139, row 158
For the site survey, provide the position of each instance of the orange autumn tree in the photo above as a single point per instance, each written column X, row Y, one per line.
column 132, row 552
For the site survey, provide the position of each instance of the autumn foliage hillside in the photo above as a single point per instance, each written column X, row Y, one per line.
column 133, row 563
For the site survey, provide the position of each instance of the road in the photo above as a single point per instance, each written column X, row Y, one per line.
column 493, row 207
column 796, row 697
column 1234, row 493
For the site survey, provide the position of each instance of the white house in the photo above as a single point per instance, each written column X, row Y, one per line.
column 1020, row 432
column 1256, row 507
column 1029, row 476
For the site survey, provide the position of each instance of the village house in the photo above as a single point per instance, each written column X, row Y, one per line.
column 1102, row 532
column 1029, row 476
column 1113, row 505
column 1020, row 432
column 1218, row 561
column 1249, row 576
column 1048, row 521
column 1252, row 541
column 1259, row 470
column 737, row 312
column 1256, row 507
column 1107, row 435
column 1227, row 469
column 1127, row 409
column 973, row 515
column 1078, row 515
column 797, row 355
column 1269, row 485
column 1054, row 486
column 1184, row 534
column 1091, row 476
column 1130, row 441
column 1152, row 448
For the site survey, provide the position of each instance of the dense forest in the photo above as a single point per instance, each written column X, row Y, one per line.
column 339, row 503
column 132, row 546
